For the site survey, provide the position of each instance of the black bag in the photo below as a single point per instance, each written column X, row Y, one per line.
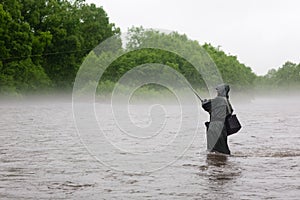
column 232, row 124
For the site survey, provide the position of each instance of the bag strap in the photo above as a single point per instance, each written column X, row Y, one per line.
column 229, row 108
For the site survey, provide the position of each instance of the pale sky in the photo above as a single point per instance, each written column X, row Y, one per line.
column 263, row 34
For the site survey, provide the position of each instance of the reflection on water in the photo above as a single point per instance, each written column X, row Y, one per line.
column 220, row 174
column 215, row 159
column 41, row 157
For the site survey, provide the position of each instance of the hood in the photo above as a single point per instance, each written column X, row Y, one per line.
column 223, row 90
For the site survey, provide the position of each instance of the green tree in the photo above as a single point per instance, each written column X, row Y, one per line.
column 76, row 29
column 43, row 42
column 18, row 72
column 232, row 71
column 285, row 78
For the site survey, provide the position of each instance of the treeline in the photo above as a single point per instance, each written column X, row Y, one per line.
column 238, row 75
column 43, row 42
column 176, row 51
column 285, row 78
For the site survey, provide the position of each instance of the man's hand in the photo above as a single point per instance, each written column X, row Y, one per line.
column 204, row 101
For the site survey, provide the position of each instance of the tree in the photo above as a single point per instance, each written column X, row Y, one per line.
column 18, row 72
column 286, row 77
column 47, row 41
column 233, row 72
column 138, row 51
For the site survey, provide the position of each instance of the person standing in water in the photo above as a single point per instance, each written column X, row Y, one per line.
column 218, row 108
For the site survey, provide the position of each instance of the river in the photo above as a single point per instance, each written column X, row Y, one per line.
column 42, row 156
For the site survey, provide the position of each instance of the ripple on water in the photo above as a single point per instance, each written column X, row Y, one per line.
column 42, row 158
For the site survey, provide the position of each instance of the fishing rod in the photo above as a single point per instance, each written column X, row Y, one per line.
column 195, row 92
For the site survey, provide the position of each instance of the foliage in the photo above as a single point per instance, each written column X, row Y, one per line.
column 43, row 42
column 233, row 72
column 138, row 51
column 286, row 77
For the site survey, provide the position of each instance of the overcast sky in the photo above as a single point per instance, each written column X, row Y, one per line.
column 263, row 34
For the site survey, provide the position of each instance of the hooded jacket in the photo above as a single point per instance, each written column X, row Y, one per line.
column 219, row 108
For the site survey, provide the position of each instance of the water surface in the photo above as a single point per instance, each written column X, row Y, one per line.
column 41, row 157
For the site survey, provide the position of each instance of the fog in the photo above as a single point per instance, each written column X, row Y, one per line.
column 51, row 148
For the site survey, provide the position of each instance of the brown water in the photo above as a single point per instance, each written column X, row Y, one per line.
column 41, row 157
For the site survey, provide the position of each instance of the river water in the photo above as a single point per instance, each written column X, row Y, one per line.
column 42, row 157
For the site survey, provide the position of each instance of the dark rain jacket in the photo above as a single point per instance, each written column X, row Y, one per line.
column 219, row 108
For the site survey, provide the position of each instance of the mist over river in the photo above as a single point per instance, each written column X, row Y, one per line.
column 42, row 156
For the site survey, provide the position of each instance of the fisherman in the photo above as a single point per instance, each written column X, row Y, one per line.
column 218, row 108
